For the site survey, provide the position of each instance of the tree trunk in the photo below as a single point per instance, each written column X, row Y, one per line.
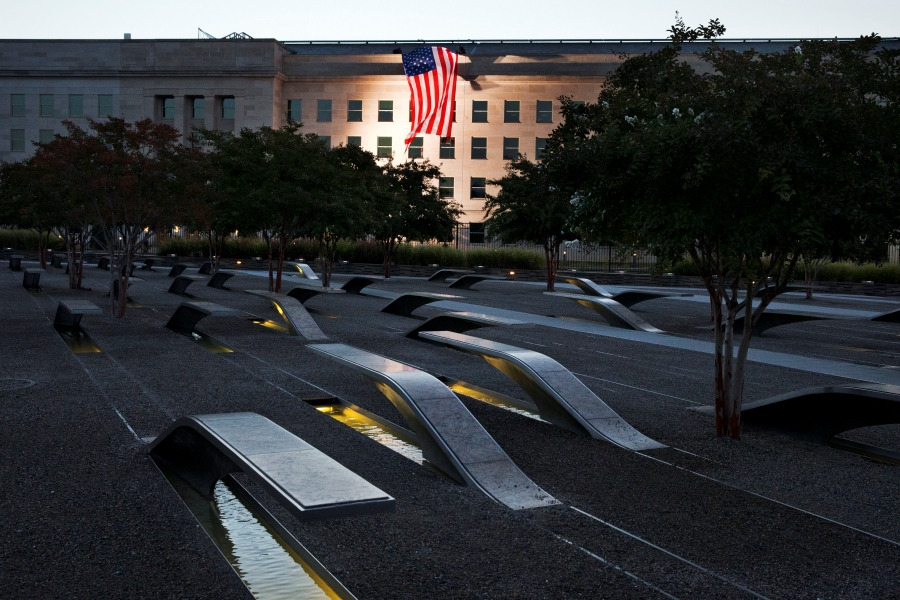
column 328, row 250
column 42, row 250
column 271, row 277
column 387, row 249
column 281, row 250
column 716, row 306
column 551, row 254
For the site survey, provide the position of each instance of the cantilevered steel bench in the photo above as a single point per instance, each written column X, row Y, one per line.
column 444, row 274
column 614, row 313
column 177, row 270
column 451, row 438
column 459, row 322
column 148, row 263
column 218, row 280
column 205, row 268
column 304, row 270
column 103, row 263
column 304, row 292
column 465, row 282
column 181, row 283
column 189, row 314
column 561, row 398
column 299, row 321
column 355, row 285
column 56, row 260
column 776, row 318
column 204, row 448
column 15, row 262
column 627, row 298
column 32, row 279
column 405, row 304
column 69, row 313
column 818, row 414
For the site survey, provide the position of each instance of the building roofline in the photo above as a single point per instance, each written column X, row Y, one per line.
column 569, row 41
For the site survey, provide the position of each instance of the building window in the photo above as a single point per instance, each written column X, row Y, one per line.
column 168, row 107
column 448, row 147
column 476, row 233
column 294, row 110
column 539, row 145
column 510, row 148
column 445, row 187
column 544, row 111
column 17, row 105
column 198, row 108
column 454, row 111
column 577, row 102
column 479, row 147
column 46, row 105
column 385, row 147
column 354, row 111
column 17, row 140
column 354, row 140
column 45, row 136
column 227, row 108
column 76, row 105
column 479, row 111
column 385, row 110
column 510, row 111
column 325, row 139
column 476, row 189
column 323, row 111
column 104, row 105
column 415, row 147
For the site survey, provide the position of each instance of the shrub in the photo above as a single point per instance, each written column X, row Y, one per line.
column 27, row 239
column 852, row 273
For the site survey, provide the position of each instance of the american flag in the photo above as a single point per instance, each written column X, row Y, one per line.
column 431, row 73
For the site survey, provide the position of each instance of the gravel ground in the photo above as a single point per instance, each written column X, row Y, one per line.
column 85, row 513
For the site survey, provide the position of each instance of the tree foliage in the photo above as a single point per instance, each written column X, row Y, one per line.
column 531, row 207
column 742, row 161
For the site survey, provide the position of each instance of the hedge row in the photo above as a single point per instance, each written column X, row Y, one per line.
column 364, row 252
column 26, row 239
column 838, row 272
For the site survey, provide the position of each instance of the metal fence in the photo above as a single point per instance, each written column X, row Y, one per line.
column 572, row 255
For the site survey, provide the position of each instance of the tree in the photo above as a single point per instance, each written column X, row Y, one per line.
column 409, row 208
column 27, row 202
column 531, row 207
column 270, row 179
column 741, row 161
column 351, row 181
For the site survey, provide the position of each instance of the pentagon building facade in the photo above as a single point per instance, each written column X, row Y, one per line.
column 349, row 92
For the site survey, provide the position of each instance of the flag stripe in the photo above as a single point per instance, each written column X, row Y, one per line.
column 431, row 75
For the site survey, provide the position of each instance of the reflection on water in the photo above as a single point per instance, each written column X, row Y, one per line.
column 270, row 568
column 373, row 429
column 479, row 394
column 78, row 340
column 209, row 343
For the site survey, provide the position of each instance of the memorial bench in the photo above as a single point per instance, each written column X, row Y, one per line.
column 32, row 278
column 304, row 270
column 776, row 318
column 181, row 283
column 465, row 282
column 355, row 285
column 202, row 449
column 205, row 268
column 444, row 274
column 298, row 320
column 103, row 263
column 561, row 398
column 177, row 270
column 56, row 261
column 304, row 292
column 188, row 314
column 218, row 280
column 451, row 438
column 818, row 414
column 148, row 264
column 69, row 313
column 614, row 313
column 628, row 298
column 15, row 262
column 460, row 322
column 405, row 304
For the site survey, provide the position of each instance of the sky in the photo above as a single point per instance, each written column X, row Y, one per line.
column 428, row 20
